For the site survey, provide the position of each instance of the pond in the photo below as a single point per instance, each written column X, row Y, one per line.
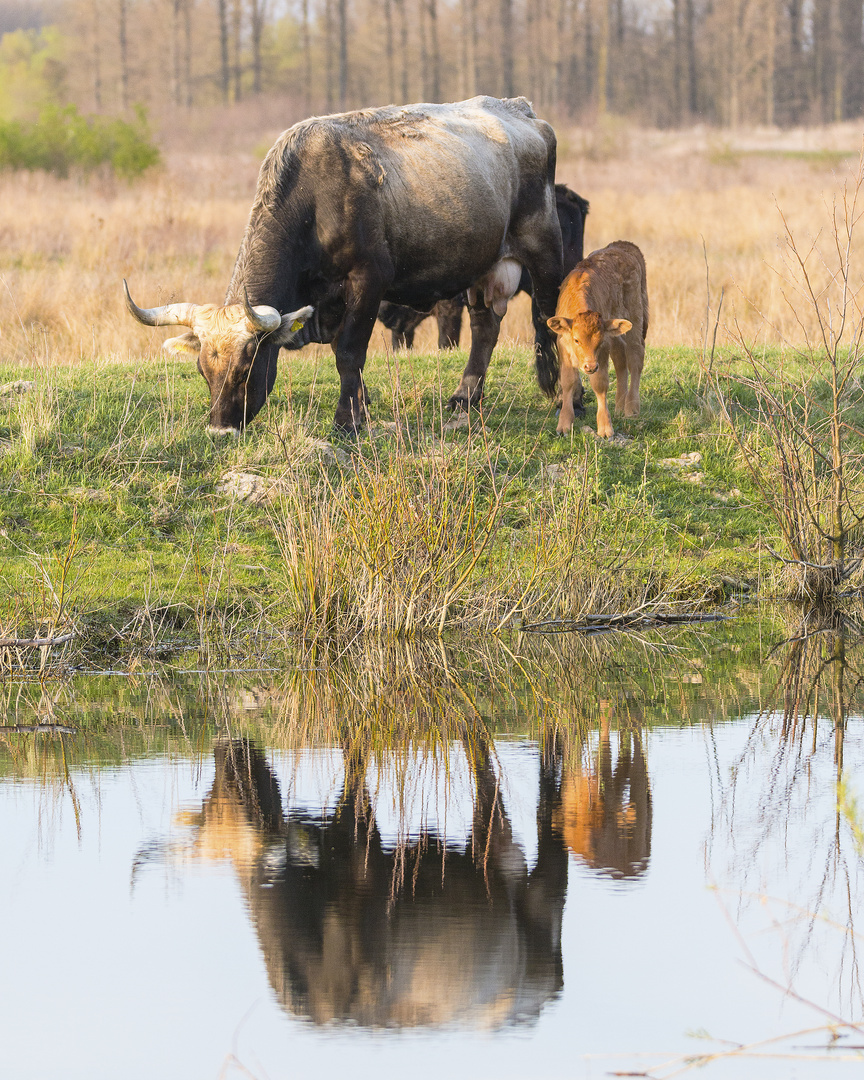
column 536, row 858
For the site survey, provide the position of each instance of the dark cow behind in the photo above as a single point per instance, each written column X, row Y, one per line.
column 402, row 321
column 410, row 204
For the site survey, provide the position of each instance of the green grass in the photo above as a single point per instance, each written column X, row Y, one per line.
column 114, row 457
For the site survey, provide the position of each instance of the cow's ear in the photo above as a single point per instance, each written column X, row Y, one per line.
column 186, row 344
column 558, row 324
column 291, row 326
column 617, row 327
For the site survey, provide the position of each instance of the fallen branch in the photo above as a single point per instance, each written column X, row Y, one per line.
column 593, row 623
column 38, row 729
column 32, row 643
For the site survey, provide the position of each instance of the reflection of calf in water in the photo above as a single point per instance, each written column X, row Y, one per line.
column 353, row 932
column 605, row 814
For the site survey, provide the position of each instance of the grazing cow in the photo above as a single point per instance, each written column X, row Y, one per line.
column 603, row 308
column 411, row 204
column 402, row 321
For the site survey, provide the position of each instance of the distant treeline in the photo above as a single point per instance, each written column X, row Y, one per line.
column 659, row 62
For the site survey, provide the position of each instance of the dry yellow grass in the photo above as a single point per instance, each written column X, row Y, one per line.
column 65, row 246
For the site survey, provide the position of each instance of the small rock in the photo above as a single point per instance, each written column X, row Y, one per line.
column 693, row 458
column 20, row 386
column 326, row 453
column 461, row 420
column 697, row 478
column 549, row 474
column 248, row 487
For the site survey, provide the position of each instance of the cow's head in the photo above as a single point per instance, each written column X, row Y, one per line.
column 237, row 347
column 582, row 336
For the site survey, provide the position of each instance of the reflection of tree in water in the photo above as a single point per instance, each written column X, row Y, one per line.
column 781, row 820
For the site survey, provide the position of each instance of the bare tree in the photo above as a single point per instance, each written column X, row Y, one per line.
column 225, row 70
column 123, row 51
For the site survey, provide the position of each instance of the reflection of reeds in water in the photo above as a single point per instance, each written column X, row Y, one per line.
column 814, row 691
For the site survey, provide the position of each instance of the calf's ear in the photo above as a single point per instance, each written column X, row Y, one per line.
column 617, row 327
column 558, row 324
column 186, row 344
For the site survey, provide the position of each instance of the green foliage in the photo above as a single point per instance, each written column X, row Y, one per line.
column 32, row 71
column 62, row 140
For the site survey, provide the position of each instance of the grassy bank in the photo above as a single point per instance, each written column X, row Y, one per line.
column 122, row 520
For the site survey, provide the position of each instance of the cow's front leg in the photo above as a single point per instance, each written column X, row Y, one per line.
column 485, row 325
column 364, row 292
column 600, row 386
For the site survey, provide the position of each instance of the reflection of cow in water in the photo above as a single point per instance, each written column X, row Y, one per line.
column 605, row 812
column 425, row 935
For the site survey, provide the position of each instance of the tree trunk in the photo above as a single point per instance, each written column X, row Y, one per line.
column 388, row 47
column 677, row 59
column 509, row 86
column 603, row 61
column 851, row 16
column 690, row 47
column 424, row 53
column 343, row 54
column 257, row 15
column 434, row 50
column 306, row 44
column 770, row 59
column 123, row 44
column 469, row 44
column 187, row 52
column 223, row 50
column 237, row 25
column 403, row 46
column 823, row 75
column 328, row 53
column 96, row 27
column 176, row 45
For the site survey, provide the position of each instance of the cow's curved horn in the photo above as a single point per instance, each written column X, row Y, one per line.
column 263, row 318
column 168, row 315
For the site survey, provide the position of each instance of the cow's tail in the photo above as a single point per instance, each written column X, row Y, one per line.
column 546, row 364
column 545, row 353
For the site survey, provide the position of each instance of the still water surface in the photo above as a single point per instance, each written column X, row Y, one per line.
column 542, row 865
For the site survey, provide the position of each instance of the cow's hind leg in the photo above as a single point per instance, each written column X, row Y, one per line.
column 449, row 315
column 485, row 325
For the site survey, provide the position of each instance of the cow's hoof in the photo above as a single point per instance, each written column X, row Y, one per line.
column 461, row 403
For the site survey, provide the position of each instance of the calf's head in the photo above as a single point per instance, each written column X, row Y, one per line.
column 237, row 347
column 583, row 336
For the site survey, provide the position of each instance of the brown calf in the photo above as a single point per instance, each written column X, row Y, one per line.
column 603, row 309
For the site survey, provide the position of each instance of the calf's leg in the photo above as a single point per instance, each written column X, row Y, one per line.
column 600, row 385
column 635, row 363
column 619, row 359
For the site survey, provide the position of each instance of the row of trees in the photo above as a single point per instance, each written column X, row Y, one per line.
column 658, row 61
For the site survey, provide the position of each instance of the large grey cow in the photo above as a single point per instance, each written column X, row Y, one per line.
column 410, row 204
